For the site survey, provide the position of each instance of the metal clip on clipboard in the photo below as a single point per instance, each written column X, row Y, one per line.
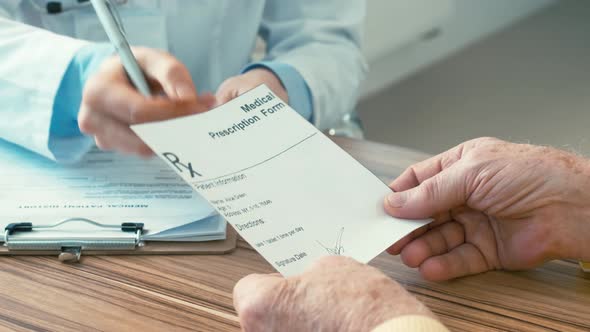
column 70, row 248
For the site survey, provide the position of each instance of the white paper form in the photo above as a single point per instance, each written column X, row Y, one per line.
column 290, row 191
column 105, row 187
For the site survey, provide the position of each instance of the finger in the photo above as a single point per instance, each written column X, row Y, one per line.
column 434, row 196
column 426, row 169
column 397, row 247
column 225, row 98
column 225, row 94
column 252, row 292
column 111, row 93
column 464, row 260
column 112, row 135
column 173, row 76
column 435, row 242
column 125, row 104
column 160, row 109
column 125, row 142
column 208, row 99
column 439, row 219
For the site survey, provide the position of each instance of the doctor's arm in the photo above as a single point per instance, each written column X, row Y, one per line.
column 31, row 71
column 77, row 87
column 313, row 58
column 321, row 41
column 110, row 104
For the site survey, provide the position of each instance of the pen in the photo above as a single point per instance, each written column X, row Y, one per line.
column 111, row 23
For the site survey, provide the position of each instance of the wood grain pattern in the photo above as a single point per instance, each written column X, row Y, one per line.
column 188, row 293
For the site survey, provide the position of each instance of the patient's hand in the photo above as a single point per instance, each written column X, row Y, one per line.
column 497, row 205
column 335, row 294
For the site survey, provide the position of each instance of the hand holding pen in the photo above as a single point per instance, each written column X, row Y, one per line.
column 137, row 86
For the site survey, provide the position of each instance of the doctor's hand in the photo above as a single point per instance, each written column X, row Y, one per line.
column 497, row 205
column 335, row 294
column 110, row 103
column 237, row 85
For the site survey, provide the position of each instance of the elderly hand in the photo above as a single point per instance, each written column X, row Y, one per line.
column 335, row 294
column 497, row 205
column 110, row 103
column 237, row 85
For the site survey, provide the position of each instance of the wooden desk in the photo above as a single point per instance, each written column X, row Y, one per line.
column 145, row 293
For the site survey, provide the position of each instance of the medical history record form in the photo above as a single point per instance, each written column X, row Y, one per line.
column 288, row 190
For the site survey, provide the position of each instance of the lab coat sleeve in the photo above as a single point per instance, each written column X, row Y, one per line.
column 66, row 142
column 322, row 41
column 33, row 64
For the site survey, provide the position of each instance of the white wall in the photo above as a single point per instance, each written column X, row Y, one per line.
column 392, row 24
column 470, row 21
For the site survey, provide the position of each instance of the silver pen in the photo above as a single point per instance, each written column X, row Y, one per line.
column 113, row 26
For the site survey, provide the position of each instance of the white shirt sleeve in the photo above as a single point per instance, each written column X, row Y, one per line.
column 33, row 64
column 322, row 41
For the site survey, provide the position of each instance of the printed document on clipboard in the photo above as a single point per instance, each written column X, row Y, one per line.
column 107, row 189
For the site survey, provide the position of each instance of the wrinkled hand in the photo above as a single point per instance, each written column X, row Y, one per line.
column 497, row 205
column 335, row 294
column 237, row 85
column 110, row 103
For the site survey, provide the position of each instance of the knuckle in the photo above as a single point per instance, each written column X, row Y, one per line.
column 430, row 188
column 254, row 308
column 474, row 159
column 92, row 93
column 252, row 312
column 486, row 140
column 413, row 171
column 143, row 54
column 86, row 122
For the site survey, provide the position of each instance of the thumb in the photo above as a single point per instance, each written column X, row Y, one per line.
column 254, row 293
column 442, row 192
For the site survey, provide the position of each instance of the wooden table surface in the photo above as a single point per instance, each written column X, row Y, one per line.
column 176, row 293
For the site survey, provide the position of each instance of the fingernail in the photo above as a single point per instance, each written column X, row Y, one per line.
column 396, row 200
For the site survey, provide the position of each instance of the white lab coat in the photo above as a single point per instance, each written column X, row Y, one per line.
column 213, row 38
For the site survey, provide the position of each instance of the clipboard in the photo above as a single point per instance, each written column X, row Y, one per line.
column 122, row 239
